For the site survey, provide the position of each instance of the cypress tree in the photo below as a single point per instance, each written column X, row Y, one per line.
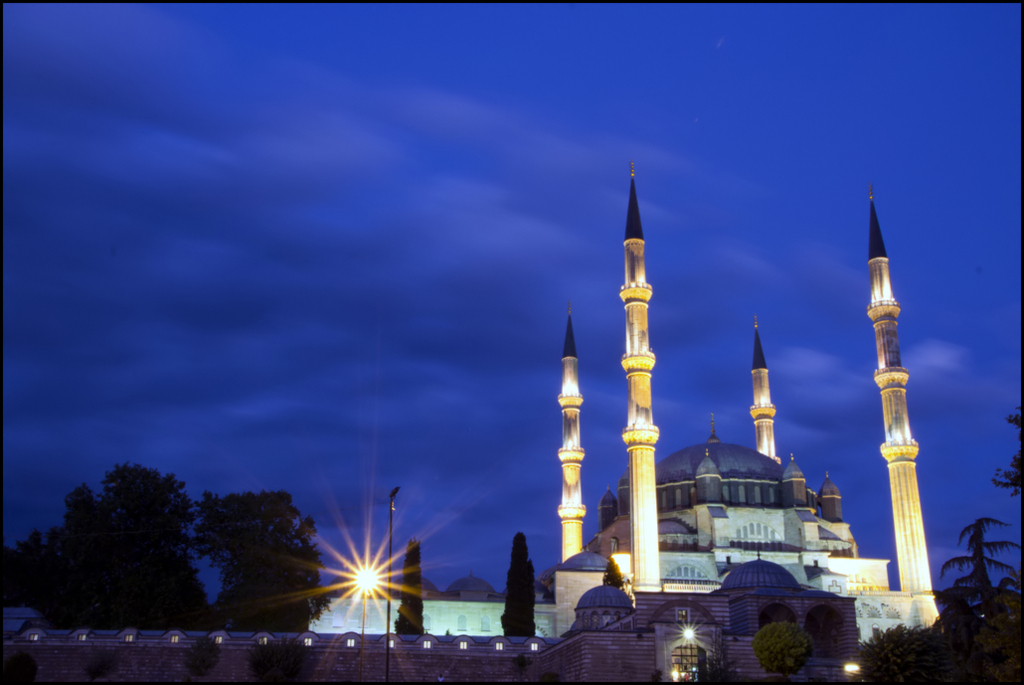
column 613, row 576
column 517, row 621
column 410, row 612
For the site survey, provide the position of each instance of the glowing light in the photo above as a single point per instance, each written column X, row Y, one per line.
column 851, row 668
column 689, row 634
column 367, row 580
column 622, row 560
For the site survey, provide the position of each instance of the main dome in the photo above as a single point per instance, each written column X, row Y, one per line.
column 760, row 574
column 733, row 461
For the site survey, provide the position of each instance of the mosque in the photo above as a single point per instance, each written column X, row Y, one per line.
column 714, row 540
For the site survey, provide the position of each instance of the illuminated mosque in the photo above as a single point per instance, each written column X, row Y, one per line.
column 715, row 540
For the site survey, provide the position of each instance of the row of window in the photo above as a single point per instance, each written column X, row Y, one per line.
column 308, row 642
column 735, row 493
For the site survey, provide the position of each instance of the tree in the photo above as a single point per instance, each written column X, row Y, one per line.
column 275, row 662
column 1001, row 639
column 517, row 620
column 202, row 656
column 905, row 655
column 719, row 669
column 20, row 668
column 410, row 611
column 973, row 599
column 268, row 561
column 124, row 557
column 1010, row 478
column 613, row 576
column 782, row 648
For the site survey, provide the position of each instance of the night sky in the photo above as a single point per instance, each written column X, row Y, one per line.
column 329, row 249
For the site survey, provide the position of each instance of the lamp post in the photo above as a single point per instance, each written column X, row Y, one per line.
column 366, row 581
column 387, row 645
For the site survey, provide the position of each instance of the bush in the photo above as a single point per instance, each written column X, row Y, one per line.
column 276, row 662
column 20, row 668
column 100, row 665
column 906, row 655
column 782, row 648
column 202, row 656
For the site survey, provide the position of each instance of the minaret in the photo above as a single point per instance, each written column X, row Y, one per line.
column 571, row 510
column 763, row 411
column 640, row 434
column 900, row 449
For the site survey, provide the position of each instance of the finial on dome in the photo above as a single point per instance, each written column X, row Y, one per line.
column 871, row 192
column 791, row 457
column 632, row 169
column 755, row 320
column 713, row 437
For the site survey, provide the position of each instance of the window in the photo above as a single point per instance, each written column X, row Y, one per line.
column 463, row 644
column 679, row 498
column 615, row 545
column 771, row 495
column 534, row 647
column 308, row 642
column 485, row 624
column 391, row 644
column 34, row 637
column 499, row 646
column 426, row 644
column 262, row 640
column 876, row 631
column 664, row 499
column 725, row 493
column 426, row 622
column 742, row 499
column 682, row 615
column 815, row 563
column 129, row 638
column 219, row 640
column 82, row 637
column 174, row 639
column 351, row 642
column 757, row 494
column 462, row 623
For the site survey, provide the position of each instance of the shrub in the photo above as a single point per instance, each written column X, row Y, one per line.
column 202, row 656
column 905, row 655
column 782, row 648
column 100, row 665
column 276, row 661
column 20, row 668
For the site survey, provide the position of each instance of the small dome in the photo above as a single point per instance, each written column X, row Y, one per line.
column 707, row 468
column 608, row 499
column 470, row 584
column 792, row 471
column 828, row 488
column 672, row 527
column 584, row 561
column 759, row 574
column 605, row 597
column 427, row 585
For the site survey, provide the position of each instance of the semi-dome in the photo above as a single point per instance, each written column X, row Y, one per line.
column 584, row 561
column 731, row 461
column 605, row 597
column 760, row 574
column 470, row 584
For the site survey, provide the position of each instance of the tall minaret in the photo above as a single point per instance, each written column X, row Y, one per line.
column 640, row 434
column 900, row 449
column 763, row 411
column 571, row 510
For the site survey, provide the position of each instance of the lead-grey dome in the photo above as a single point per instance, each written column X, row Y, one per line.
column 604, row 597
column 470, row 584
column 828, row 488
column 760, row 574
column 584, row 561
column 732, row 461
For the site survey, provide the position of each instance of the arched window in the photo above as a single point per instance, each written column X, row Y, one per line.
column 485, row 624
column 664, row 499
column 615, row 545
column 462, row 623
column 679, row 498
column 742, row 497
column 426, row 621
column 757, row 494
column 771, row 494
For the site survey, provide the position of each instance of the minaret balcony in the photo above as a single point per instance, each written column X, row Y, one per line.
column 765, row 412
column 570, row 455
column 635, row 292
column 636, row 436
column 891, row 376
column 571, row 511
column 883, row 309
column 897, row 452
column 570, row 400
column 642, row 361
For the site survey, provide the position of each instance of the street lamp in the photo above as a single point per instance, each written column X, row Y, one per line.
column 366, row 581
column 387, row 645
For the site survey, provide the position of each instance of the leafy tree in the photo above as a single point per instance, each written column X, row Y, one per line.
column 123, row 557
column 906, row 655
column 1001, row 639
column 101, row 664
column 973, row 599
column 268, row 561
column 517, row 620
column 613, row 576
column 1010, row 478
column 410, row 611
column 202, row 656
column 276, row 661
column 782, row 648
column 719, row 669
column 20, row 668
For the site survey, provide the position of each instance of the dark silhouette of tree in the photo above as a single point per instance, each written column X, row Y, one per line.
column 269, row 564
column 1001, row 639
column 517, row 620
column 973, row 599
column 410, row 611
column 613, row 576
column 1010, row 478
column 202, row 656
column 906, row 655
column 782, row 648
column 124, row 557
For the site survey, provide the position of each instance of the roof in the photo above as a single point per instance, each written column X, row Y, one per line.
column 633, row 228
column 707, row 468
column 604, row 597
column 876, row 247
column 470, row 584
column 760, row 574
column 673, row 527
column 584, row 561
column 759, row 362
column 732, row 461
column 792, row 471
column 21, row 612
column 570, row 340
column 607, row 499
column 828, row 488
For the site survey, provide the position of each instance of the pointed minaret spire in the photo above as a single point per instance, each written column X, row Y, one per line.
column 571, row 510
column 763, row 411
column 900, row 449
column 640, row 433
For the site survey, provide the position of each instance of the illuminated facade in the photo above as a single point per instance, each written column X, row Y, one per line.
column 899, row 449
column 571, row 511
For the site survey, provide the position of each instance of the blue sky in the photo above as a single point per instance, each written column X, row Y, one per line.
column 329, row 249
